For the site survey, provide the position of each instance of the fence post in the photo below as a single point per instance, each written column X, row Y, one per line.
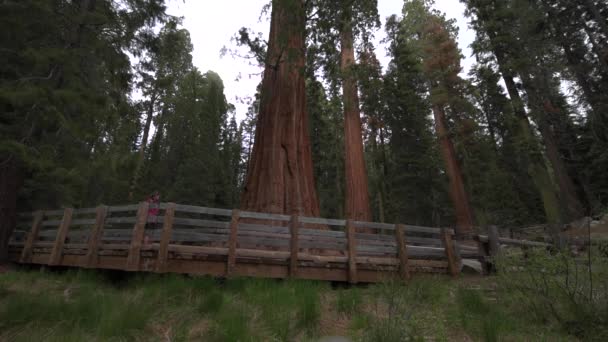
column 231, row 260
column 293, row 260
column 448, row 245
column 92, row 258
column 494, row 244
column 62, row 233
column 352, row 252
column 26, row 253
column 165, row 238
column 482, row 253
column 137, row 237
column 404, row 269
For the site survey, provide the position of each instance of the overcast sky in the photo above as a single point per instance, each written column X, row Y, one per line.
column 213, row 23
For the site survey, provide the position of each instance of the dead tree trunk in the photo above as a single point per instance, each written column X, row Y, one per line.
column 458, row 195
column 280, row 175
column 357, row 194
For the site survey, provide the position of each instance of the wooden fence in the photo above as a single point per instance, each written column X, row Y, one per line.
column 221, row 242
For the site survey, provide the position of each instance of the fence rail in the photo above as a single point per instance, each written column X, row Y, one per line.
column 221, row 242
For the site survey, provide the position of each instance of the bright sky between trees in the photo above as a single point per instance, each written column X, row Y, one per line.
column 213, row 23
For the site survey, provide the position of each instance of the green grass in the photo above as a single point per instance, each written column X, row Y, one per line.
column 88, row 305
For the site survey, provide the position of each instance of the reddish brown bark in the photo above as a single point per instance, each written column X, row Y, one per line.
column 458, row 195
column 357, row 197
column 280, row 175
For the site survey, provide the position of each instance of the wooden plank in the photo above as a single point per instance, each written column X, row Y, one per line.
column 324, row 233
column 137, row 238
column 377, row 249
column 95, row 237
column 410, row 229
column 26, row 253
column 163, row 250
column 373, row 225
column 62, row 232
column 352, row 252
column 76, row 222
column 293, row 260
column 264, row 216
column 323, row 221
column 123, row 220
column 263, row 228
column 449, row 253
column 231, row 259
column 198, row 223
column 404, row 270
column 202, row 210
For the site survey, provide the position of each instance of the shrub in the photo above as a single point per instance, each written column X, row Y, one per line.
column 559, row 288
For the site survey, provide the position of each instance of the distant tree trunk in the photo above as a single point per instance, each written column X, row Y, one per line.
column 11, row 179
column 142, row 148
column 357, row 193
column 545, row 109
column 464, row 215
column 529, row 145
column 280, row 175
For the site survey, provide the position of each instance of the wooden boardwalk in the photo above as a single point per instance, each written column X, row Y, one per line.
column 225, row 243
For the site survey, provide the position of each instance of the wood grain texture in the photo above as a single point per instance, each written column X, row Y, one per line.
column 453, row 263
column 26, row 253
column 137, row 237
column 95, row 237
column 165, row 238
column 352, row 252
column 404, row 269
column 62, row 233
column 232, row 240
column 294, row 248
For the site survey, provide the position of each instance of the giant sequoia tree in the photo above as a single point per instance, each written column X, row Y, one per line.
column 428, row 32
column 280, row 175
column 340, row 23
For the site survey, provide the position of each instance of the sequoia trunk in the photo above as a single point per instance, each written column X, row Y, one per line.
column 464, row 215
column 357, row 197
column 280, row 174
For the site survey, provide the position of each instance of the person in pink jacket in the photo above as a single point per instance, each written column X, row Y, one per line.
column 153, row 211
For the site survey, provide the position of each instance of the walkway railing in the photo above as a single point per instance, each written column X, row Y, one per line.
column 221, row 242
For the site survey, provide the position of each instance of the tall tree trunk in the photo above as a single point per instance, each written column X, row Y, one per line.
column 545, row 109
column 11, row 179
column 142, row 148
column 280, row 175
column 357, row 193
column 460, row 200
column 529, row 147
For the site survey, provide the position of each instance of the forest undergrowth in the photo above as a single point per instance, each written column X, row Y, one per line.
column 78, row 305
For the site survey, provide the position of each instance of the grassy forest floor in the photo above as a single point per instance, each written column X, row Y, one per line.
column 89, row 305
